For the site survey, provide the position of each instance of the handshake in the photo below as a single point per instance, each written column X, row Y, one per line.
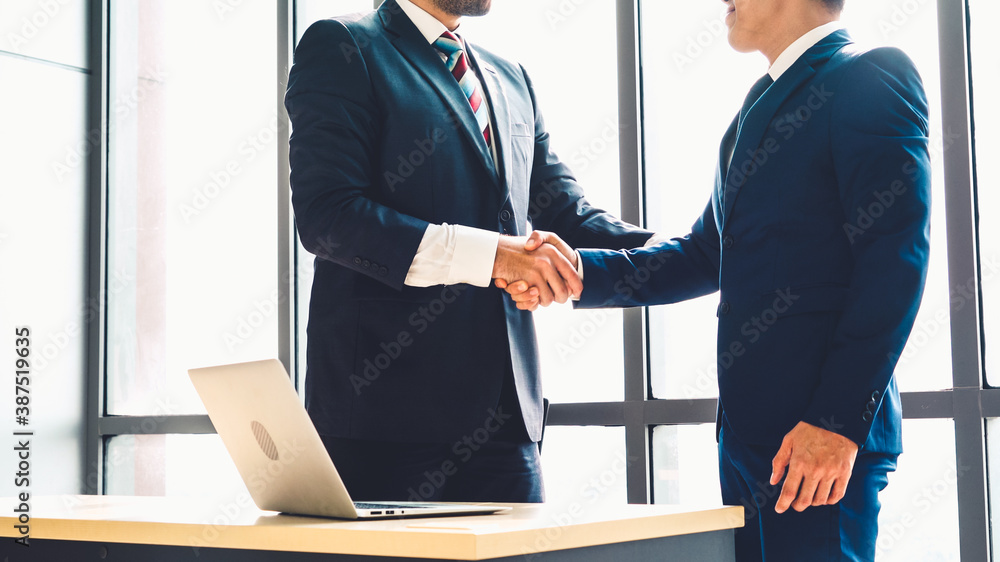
column 536, row 270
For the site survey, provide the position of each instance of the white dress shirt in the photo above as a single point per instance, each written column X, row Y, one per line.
column 450, row 253
column 798, row 48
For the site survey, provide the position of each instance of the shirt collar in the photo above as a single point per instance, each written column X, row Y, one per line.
column 792, row 53
column 429, row 26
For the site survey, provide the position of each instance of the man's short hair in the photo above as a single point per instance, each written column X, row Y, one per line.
column 835, row 6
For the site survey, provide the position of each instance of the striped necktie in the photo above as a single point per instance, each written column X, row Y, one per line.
column 458, row 63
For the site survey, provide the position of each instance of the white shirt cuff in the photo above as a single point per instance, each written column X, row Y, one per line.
column 475, row 254
column 451, row 254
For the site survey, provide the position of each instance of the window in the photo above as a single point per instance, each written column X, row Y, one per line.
column 192, row 210
column 986, row 88
column 308, row 12
column 53, row 33
column 687, row 63
column 686, row 465
column 919, row 518
column 585, row 466
column 43, row 198
column 193, row 170
column 173, row 465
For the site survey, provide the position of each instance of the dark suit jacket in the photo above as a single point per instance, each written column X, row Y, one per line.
column 817, row 235
column 384, row 142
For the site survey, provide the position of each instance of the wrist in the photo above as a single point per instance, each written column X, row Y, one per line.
column 505, row 246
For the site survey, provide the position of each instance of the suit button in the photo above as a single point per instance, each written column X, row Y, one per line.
column 727, row 242
column 724, row 308
column 876, row 395
column 366, row 264
column 867, row 417
column 505, row 215
column 374, row 266
column 871, row 405
column 357, row 261
column 383, row 271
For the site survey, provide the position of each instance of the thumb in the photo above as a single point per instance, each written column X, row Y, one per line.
column 534, row 241
column 780, row 462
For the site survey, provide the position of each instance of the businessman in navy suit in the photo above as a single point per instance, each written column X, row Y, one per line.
column 417, row 162
column 816, row 236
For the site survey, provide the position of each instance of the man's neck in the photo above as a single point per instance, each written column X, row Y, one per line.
column 796, row 27
column 450, row 21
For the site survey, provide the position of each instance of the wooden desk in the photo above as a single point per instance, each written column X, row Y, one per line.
column 149, row 529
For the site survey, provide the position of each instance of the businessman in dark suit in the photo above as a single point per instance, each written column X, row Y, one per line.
column 418, row 160
column 817, row 237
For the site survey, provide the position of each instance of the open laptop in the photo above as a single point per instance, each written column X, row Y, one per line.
column 278, row 452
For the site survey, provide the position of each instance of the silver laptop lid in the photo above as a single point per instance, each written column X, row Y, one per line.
column 270, row 437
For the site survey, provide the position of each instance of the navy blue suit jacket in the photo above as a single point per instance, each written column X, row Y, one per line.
column 384, row 142
column 817, row 236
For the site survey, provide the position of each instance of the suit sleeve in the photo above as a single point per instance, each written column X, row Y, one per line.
column 333, row 155
column 668, row 272
column 880, row 153
column 557, row 203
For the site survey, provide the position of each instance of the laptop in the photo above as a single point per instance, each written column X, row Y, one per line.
column 278, row 452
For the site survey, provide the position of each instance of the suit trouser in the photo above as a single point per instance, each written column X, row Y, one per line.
column 844, row 531
column 496, row 463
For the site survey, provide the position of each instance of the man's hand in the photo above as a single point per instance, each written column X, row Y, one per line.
column 543, row 266
column 819, row 464
column 525, row 294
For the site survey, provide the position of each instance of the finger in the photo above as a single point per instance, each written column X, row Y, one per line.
column 534, row 241
column 838, row 491
column 788, row 491
column 544, row 284
column 527, row 296
column 564, row 248
column 500, row 283
column 517, row 288
column 529, row 306
column 560, row 293
column 806, row 492
column 569, row 275
column 823, row 490
column 780, row 462
column 557, row 284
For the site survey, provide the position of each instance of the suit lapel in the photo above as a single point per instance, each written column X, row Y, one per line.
column 496, row 98
column 722, row 168
column 741, row 167
column 414, row 48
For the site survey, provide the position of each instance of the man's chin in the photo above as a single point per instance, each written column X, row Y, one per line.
column 739, row 44
column 469, row 8
column 479, row 8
